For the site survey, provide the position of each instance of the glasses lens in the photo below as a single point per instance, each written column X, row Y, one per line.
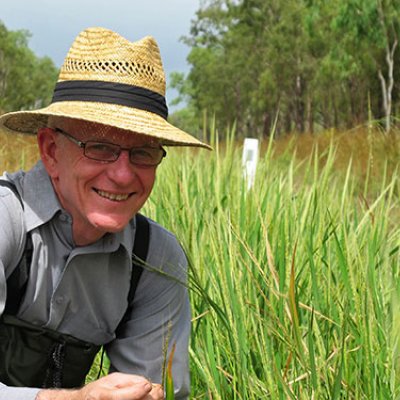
column 102, row 151
column 146, row 155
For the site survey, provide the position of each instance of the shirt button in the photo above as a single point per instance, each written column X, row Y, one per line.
column 60, row 299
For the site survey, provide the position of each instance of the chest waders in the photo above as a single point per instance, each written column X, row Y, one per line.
column 32, row 356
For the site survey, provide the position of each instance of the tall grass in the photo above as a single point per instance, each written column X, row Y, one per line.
column 299, row 278
column 17, row 151
column 295, row 285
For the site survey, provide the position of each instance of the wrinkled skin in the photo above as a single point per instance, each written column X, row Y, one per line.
column 115, row 386
column 101, row 197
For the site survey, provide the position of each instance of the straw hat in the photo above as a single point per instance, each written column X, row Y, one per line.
column 109, row 80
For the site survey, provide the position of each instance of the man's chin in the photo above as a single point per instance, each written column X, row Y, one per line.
column 109, row 224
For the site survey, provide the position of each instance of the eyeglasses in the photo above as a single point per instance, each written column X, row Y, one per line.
column 144, row 156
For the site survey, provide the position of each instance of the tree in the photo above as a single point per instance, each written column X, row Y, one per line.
column 26, row 81
column 313, row 63
column 374, row 24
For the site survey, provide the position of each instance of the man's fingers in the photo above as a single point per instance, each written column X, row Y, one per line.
column 138, row 391
column 120, row 380
column 118, row 386
column 157, row 393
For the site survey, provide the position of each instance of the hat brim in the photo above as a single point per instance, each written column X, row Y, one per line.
column 127, row 118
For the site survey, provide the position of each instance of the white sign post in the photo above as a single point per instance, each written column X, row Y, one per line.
column 249, row 160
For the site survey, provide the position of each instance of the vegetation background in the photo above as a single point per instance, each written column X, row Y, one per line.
column 294, row 283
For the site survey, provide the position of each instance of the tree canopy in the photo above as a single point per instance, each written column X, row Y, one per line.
column 304, row 64
column 26, row 81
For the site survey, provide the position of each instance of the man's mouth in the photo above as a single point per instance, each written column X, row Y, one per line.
column 112, row 196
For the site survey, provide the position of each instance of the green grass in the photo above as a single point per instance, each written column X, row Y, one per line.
column 295, row 285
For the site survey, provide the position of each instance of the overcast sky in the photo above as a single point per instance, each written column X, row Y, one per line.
column 54, row 24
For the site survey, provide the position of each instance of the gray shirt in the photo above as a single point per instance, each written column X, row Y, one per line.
column 82, row 291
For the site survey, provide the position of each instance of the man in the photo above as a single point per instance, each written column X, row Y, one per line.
column 69, row 228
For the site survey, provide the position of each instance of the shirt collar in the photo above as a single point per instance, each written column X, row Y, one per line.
column 40, row 200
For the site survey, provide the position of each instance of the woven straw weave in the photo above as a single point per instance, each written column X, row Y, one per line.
column 106, row 56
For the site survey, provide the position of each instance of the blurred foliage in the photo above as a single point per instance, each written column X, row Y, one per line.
column 294, row 66
column 26, row 81
column 17, row 151
column 369, row 150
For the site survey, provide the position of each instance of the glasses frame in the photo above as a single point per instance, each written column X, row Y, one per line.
column 82, row 145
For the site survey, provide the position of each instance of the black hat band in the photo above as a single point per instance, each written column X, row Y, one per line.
column 112, row 93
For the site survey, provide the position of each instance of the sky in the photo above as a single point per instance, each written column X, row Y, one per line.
column 54, row 24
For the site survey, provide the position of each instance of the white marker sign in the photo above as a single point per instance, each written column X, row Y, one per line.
column 249, row 160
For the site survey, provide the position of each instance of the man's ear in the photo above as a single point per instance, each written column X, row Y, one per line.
column 46, row 138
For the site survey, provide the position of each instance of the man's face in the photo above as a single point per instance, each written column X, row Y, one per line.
column 100, row 196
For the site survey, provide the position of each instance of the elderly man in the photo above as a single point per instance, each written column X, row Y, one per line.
column 79, row 267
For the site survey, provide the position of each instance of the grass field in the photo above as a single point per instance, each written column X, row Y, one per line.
column 295, row 285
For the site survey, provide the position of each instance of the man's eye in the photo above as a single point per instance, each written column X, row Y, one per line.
column 142, row 154
column 100, row 147
column 103, row 150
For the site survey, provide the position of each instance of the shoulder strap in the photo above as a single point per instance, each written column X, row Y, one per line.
column 18, row 280
column 12, row 187
column 139, row 253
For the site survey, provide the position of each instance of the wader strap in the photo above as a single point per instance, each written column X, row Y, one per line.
column 139, row 256
column 18, row 280
column 139, row 253
column 12, row 187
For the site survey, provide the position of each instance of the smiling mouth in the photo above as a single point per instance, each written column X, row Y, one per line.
column 112, row 196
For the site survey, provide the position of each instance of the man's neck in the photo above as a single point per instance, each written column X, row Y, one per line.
column 83, row 236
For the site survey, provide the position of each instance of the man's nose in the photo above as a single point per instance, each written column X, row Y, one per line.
column 122, row 171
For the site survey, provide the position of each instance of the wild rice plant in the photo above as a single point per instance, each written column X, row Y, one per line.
column 295, row 284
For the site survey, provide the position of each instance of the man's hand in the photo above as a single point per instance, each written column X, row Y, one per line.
column 116, row 386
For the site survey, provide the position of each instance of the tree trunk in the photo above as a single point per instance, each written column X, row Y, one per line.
column 310, row 117
column 267, row 125
column 387, row 84
column 299, row 105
